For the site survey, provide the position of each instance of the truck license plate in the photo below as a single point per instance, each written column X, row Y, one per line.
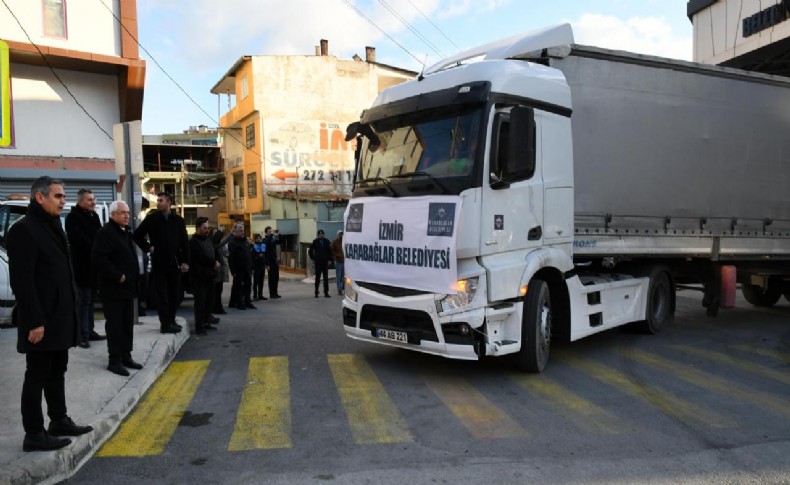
column 392, row 335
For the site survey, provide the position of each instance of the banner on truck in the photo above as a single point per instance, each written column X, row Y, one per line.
column 406, row 243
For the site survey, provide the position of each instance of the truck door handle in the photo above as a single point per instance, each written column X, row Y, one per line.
column 535, row 234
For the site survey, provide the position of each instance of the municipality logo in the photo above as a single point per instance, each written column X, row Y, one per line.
column 354, row 221
column 441, row 218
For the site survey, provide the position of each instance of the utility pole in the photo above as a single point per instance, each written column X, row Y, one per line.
column 183, row 185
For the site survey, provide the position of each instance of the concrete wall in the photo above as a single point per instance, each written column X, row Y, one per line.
column 718, row 30
column 90, row 27
column 49, row 123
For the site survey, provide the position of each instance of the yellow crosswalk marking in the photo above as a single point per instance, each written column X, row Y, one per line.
column 772, row 354
column 668, row 404
column 478, row 414
column 583, row 413
column 736, row 362
column 372, row 415
column 708, row 381
column 148, row 429
column 263, row 420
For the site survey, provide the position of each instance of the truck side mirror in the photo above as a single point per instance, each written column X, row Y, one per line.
column 521, row 143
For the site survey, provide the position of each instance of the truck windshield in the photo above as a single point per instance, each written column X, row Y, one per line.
column 433, row 152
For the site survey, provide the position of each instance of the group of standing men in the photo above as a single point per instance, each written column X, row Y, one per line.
column 248, row 262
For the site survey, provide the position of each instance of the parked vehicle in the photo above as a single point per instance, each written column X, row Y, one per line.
column 552, row 190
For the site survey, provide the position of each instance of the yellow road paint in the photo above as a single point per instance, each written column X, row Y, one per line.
column 736, row 362
column 151, row 425
column 710, row 382
column 372, row 415
column 772, row 354
column 583, row 413
column 668, row 404
column 263, row 420
column 479, row 415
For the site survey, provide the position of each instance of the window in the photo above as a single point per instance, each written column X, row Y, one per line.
column 244, row 88
column 513, row 151
column 252, row 185
column 54, row 14
column 250, row 135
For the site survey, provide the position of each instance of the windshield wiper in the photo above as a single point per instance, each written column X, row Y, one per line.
column 420, row 173
column 379, row 179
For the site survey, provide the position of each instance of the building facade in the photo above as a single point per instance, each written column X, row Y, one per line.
column 287, row 164
column 745, row 34
column 80, row 75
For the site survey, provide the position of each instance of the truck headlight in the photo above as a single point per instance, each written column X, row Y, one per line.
column 466, row 293
column 349, row 291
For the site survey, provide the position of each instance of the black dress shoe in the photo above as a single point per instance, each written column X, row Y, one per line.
column 240, row 307
column 250, row 306
column 327, row 295
column 117, row 368
column 208, row 326
column 263, row 298
column 66, row 427
column 42, row 441
column 275, row 296
column 96, row 337
column 212, row 319
column 169, row 329
column 316, row 295
column 177, row 326
column 201, row 331
column 221, row 311
column 84, row 344
column 131, row 364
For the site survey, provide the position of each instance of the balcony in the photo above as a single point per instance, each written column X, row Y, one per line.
column 238, row 205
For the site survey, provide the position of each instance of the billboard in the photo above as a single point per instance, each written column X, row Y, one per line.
column 5, row 97
column 307, row 155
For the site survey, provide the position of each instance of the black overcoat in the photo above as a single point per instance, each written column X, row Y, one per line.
column 113, row 256
column 43, row 282
column 81, row 228
column 167, row 236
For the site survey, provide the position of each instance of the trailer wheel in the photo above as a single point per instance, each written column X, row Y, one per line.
column 660, row 307
column 759, row 296
column 535, row 328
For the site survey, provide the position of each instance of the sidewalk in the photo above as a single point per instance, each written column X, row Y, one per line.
column 94, row 396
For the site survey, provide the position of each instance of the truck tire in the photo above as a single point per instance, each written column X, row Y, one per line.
column 759, row 296
column 660, row 308
column 535, row 328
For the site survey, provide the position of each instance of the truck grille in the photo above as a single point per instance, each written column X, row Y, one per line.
column 418, row 325
column 391, row 291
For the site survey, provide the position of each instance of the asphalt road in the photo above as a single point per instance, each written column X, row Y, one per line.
column 280, row 395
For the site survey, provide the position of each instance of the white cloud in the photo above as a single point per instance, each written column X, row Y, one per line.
column 644, row 35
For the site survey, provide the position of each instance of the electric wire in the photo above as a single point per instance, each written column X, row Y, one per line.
column 359, row 12
column 62, row 83
column 434, row 25
column 425, row 40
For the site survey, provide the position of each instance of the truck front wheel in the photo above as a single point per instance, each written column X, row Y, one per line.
column 535, row 328
column 660, row 307
column 762, row 296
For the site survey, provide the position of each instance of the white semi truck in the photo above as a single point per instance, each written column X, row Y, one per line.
column 534, row 189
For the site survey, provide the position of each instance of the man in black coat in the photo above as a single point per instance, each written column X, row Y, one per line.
column 204, row 263
column 321, row 253
column 272, row 239
column 117, row 269
column 163, row 234
column 240, row 263
column 82, row 223
column 45, row 314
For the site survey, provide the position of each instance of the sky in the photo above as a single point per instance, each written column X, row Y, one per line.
column 189, row 45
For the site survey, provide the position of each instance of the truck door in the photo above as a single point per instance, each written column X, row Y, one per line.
column 512, row 210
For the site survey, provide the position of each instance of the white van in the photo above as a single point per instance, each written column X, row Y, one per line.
column 10, row 212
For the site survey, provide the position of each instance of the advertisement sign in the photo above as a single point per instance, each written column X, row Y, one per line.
column 406, row 243
column 308, row 155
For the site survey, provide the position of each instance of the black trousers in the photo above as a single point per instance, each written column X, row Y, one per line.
column 218, row 297
column 167, row 285
column 257, row 280
column 119, row 328
column 274, row 279
column 45, row 373
column 203, row 290
column 240, row 291
column 322, row 269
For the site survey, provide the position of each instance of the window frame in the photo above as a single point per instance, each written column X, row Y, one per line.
column 63, row 19
column 249, row 135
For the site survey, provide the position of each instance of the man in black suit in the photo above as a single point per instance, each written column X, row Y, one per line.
column 164, row 234
column 117, row 269
column 82, row 223
column 45, row 314
column 204, row 264
column 272, row 239
column 240, row 263
column 321, row 253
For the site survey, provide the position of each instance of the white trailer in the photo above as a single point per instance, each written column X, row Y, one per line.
column 551, row 190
